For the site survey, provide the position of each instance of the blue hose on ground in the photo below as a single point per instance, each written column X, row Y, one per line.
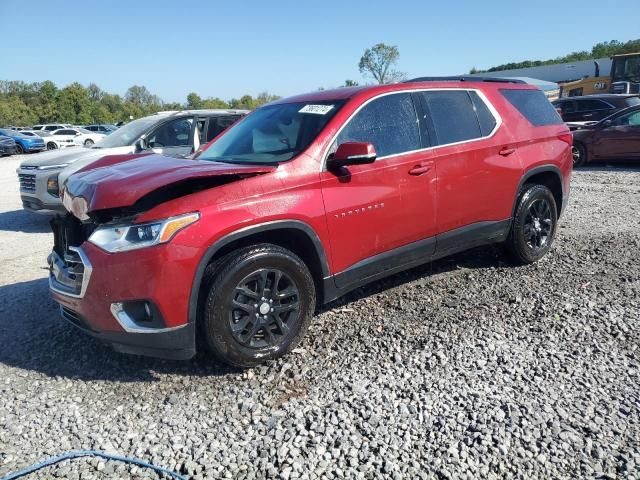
column 91, row 453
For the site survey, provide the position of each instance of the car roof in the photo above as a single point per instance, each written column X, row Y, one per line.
column 423, row 83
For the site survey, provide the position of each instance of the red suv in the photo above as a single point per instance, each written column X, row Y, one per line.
column 301, row 201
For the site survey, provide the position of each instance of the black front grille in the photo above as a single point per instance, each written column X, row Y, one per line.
column 27, row 182
column 68, row 231
column 74, row 318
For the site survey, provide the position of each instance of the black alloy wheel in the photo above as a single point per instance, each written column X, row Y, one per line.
column 255, row 304
column 19, row 149
column 262, row 306
column 51, row 146
column 534, row 224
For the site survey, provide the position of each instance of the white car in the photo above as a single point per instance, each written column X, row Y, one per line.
column 49, row 140
column 77, row 136
column 50, row 127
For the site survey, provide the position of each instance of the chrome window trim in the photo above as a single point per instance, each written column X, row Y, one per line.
column 130, row 326
column 480, row 93
column 86, row 276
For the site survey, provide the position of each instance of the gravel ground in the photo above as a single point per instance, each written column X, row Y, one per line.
column 467, row 368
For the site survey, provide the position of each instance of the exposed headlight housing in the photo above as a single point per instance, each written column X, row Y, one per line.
column 132, row 237
column 52, row 186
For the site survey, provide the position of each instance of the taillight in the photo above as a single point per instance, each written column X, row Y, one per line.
column 566, row 137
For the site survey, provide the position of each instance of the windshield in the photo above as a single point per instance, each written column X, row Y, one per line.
column 627, row 69
column 129, row 133
column 272, row 134
column 42, row 133
column 84, row 130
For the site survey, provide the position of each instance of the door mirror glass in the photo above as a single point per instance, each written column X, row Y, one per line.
column 141, row 145
column 607, row 124
column 352, row 153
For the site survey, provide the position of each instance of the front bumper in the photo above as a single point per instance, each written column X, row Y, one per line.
column 33, row 191
column 160, row 276
column 8, row 149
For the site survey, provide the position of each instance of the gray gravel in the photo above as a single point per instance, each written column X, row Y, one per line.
column 467, row 368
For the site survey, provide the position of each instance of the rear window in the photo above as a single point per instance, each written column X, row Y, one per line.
column 533, row 105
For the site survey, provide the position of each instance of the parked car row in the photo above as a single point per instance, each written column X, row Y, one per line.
column 173, row 134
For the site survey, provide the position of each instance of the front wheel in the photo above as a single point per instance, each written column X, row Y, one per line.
column 579, row 154
column 88, row 142
column 19, row 149
column 259, row 303
column 534, row 224
column 51, row 146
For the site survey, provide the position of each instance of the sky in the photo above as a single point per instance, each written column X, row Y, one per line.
column 231, row 48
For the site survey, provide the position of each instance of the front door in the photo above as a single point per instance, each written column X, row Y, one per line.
column 373, row 210
column 619, row 140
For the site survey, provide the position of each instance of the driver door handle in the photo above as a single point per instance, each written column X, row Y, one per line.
column 506, row 151
column 420, row 170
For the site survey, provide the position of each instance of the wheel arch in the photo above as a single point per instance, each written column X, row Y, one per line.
column 294, row 235
column 548, row 175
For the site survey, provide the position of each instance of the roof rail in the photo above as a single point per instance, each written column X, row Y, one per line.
column 464, row 78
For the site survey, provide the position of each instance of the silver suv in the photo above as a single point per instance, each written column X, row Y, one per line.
column 174, row 134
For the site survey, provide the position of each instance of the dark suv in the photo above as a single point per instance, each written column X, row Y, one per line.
column 593, row 107
column 301, row 201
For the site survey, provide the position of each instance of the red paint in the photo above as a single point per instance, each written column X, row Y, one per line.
column 369, row 210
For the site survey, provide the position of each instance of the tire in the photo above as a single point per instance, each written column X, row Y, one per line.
column 579, row 153
column 52, row 146
column 534, row 224
column 19, row 149
column 88, row 142
column 244, row 320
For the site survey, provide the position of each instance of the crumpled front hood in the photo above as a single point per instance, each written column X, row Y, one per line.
column 120, row 181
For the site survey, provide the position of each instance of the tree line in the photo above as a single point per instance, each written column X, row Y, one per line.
column 599, row 50
column 24, row 103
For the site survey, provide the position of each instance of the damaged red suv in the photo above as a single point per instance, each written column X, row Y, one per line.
column 301, row 201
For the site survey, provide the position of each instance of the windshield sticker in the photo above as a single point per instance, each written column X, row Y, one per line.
column 316, row 109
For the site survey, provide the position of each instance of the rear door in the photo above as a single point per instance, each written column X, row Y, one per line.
column 478, row 169
column 372, row 210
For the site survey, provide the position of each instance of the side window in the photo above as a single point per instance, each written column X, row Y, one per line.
column 452, row 115
column 218, row 124
column 631, row 119
column 533, row 105
column 390, row 123
column 485, row 117
column 589, row 105
column 175, row 133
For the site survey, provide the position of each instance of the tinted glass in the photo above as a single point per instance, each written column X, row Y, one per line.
column 485, row 117
column 273, row 133
column 390, row 123
column 452, row 115
column 589, row 105
column 533, row 105
column 631, row 119
column 218, row 124
column 175, row 133
column 631, row 101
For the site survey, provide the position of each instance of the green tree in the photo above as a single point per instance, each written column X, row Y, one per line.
column 378, row 62
column 73, row 104
column 214, row 103
column 194, row 101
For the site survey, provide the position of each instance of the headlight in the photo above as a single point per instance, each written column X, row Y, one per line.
column 51, row 167
column 133, row 237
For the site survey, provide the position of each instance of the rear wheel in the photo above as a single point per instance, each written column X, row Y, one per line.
column 259, row 303
column 579, row 154
column 534, row 224
column 88, row 142
column 19, row 149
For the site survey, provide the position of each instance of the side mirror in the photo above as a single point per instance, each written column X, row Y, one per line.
column 607, row 124
column 352, row 153
column 141, row 145
column 78, row 134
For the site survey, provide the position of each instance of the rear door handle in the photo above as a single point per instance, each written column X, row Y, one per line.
column 506, row 151
column 420, row 170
